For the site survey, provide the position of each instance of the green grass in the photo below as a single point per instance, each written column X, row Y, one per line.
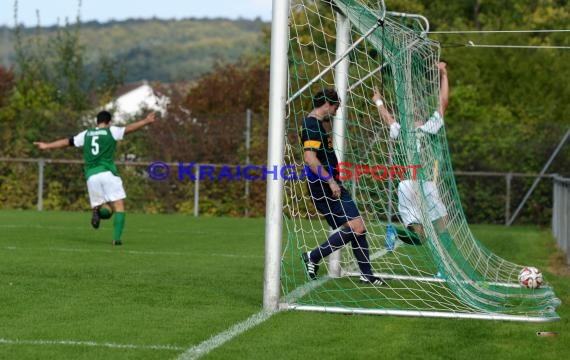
column 180, row 280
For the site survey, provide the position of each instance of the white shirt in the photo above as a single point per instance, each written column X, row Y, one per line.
column 432, row 126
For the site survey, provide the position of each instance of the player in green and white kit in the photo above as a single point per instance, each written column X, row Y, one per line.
column 103, row 182
column 409, row 194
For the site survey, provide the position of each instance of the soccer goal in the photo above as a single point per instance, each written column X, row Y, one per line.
column 355, row 46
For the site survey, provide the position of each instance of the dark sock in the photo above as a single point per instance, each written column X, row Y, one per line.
column 338, row 240
column 334, row 242
column 361, row 253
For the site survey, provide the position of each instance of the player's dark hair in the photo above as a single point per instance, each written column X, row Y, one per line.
column 324, row 96
column 103, row 117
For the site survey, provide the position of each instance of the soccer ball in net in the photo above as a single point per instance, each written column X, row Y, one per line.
column 530, row 277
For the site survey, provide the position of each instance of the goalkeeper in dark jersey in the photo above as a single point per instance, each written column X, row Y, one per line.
column 331, row 199
column 103, row 182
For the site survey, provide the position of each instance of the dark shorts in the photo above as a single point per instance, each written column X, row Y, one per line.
column 337, row 212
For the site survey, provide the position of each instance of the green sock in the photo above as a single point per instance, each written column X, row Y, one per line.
column 118, row 225
column 105, row 213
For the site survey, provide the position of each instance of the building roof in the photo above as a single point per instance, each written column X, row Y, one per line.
column 133, row 102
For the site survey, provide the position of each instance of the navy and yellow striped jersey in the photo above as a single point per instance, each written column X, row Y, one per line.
column 314, row 137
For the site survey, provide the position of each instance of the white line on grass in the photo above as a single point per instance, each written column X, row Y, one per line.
column 137, row 230
column 90, row 343
column 133, row 252
column 240, row 256
column 305, row 289
column 206, row 346
column 212, row 343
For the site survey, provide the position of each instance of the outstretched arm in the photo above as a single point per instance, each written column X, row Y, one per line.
column 443, row 87
column 382, row 111
column 141, row 123
column 385, row 114
column 61, row 143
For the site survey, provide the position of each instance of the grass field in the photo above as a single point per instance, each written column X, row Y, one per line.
column 184, row 287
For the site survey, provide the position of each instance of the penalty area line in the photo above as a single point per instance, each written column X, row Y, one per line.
column 123, row 251
column 90, row 343
column 94, row 250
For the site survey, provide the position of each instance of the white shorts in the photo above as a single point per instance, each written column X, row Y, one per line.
column 409, row 201
column 104, row 187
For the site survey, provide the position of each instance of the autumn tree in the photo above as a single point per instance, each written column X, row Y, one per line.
column 207, row 124
column 50, row 96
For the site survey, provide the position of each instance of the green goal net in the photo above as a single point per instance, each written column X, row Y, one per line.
column 356, row 46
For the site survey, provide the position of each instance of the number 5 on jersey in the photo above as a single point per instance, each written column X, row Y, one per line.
column 94, row 145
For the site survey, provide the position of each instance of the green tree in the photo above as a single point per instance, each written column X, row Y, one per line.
column 49, row 97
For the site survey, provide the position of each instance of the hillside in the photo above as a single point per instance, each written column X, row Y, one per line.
column 163, row 50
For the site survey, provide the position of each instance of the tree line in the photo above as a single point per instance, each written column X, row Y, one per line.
column 152, row 49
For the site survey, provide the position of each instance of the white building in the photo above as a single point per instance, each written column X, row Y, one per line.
column 132, row 103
